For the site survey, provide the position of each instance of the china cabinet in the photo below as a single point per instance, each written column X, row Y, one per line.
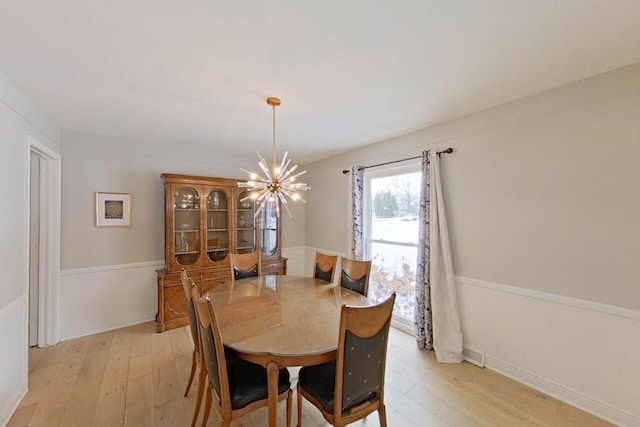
column 205, row 219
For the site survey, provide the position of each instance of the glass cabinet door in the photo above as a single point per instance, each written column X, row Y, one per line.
column 217, row 222
column 186, row 226
column 245, row 224
column 269, row 230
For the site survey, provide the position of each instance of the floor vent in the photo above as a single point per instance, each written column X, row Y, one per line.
column 474, row 357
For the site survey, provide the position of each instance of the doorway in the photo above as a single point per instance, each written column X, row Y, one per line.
column 43, row 229
column 34, row 245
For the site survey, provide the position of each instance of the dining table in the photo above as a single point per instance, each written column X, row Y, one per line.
column 280, row 321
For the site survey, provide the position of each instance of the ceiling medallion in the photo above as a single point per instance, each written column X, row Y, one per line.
column 277, row 185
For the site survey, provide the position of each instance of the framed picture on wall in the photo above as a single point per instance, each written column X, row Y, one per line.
column 113, row 209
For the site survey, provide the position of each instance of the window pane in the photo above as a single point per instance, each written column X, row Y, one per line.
column 394, row 208
column 393, row 268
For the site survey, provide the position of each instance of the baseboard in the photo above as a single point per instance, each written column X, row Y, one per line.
column 572, row 397
column 107, row 326
column 11, row 405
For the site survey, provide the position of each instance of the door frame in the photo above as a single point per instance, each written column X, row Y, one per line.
column 49, row 251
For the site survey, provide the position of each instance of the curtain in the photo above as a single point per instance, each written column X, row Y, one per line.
column 422, row 310
column 437, row 314
column 357, row 193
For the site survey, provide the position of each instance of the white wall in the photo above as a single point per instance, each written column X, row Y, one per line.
column 542, row 199
column 18, row 118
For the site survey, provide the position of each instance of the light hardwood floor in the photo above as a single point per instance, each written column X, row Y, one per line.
column 136, row 377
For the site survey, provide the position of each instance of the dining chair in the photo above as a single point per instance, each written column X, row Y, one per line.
column 324, row 266
column 352, row 386
column 235, row 387
column 355, row 275
column 245, row 265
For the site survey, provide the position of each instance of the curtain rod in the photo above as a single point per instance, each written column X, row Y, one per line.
column 447, row 151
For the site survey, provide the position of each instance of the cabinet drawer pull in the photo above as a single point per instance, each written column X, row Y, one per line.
column 273, row 265
column 174, row 311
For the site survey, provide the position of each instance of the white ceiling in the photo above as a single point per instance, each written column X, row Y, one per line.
column 349, row 72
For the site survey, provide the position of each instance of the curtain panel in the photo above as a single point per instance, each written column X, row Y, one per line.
column 357, row 206
column 437, row 316
column 422, row 310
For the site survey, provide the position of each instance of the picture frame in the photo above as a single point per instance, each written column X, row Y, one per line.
column 113, row 209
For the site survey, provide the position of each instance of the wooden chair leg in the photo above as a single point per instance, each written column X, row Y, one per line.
column 202, row 379
column 299, row 405
column 289, row 407
column 207, row 407
column 382, row 413
column 193, row 372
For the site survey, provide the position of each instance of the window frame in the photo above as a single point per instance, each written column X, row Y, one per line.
column 406, row 167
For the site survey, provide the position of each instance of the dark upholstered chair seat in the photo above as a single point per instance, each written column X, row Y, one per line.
column 248, row 382
column 319, row 382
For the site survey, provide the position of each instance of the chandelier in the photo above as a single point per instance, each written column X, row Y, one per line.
column 277, row 185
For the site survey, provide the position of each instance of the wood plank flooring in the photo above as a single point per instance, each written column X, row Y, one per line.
column 136, row 377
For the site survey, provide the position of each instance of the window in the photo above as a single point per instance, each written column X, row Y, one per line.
column 391, row 200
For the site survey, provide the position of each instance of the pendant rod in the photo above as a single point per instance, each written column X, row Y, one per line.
column 274, row 140
column 447, row 151
column 274, row 102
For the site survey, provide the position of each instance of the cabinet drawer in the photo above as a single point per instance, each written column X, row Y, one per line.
column 274, row 267
column 171, row 279
column 222, row 274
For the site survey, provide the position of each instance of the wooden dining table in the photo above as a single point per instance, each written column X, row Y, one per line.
column 281, row 321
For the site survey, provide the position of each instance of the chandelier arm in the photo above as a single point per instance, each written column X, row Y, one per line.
column 264, row 168
column 248, row 172
column 290, row 171
column 257, row 214
column 284, row 204
column 282, row 167
column 292, row 177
